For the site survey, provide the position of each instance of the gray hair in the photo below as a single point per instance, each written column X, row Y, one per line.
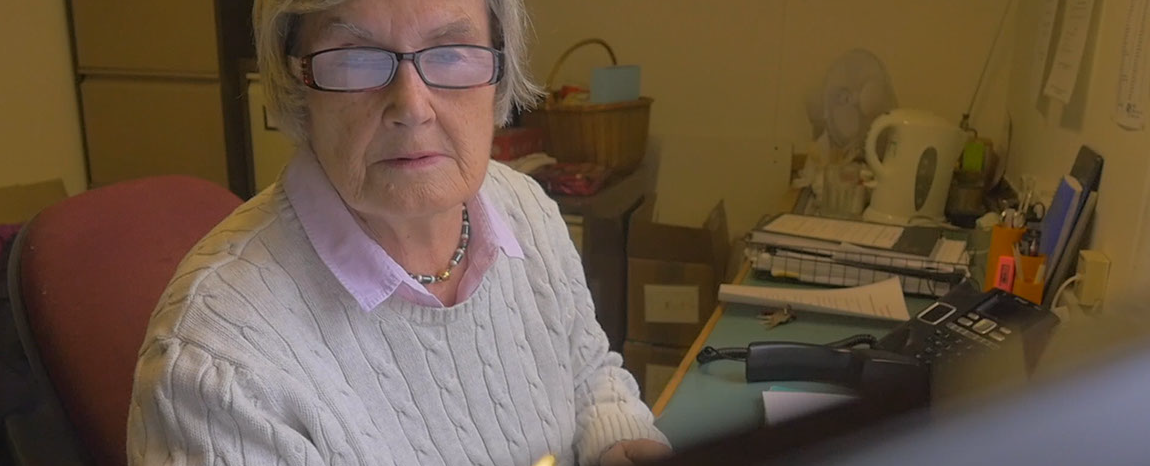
column 277, row 22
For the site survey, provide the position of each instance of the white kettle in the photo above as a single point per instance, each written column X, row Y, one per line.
column 913, row 178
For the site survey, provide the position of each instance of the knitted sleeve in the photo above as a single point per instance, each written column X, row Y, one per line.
column 196, row 408
column 607, row 402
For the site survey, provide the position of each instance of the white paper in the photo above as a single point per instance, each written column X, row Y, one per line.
column 881, row 300
column 1133, row 83
column 781, row 406
column 1071, row 46
column 1046, row 18
column 860, row 233
column 950, row 251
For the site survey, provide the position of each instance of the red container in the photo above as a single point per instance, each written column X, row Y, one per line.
column 512, row 143
column 572, row 179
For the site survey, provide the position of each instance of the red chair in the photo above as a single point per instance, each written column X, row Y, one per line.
column 84, row 277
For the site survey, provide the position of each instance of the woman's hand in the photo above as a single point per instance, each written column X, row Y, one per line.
column 631, row 452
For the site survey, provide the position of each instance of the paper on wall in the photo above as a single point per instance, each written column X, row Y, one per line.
column 1133, row 82
column 1071, row 46
column 1046, row 18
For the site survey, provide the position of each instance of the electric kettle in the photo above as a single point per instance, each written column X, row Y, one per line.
column 913, row 176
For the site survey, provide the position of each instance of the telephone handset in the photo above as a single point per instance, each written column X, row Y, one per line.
column 949, row 337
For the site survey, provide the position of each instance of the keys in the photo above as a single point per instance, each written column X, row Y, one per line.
column 771, row 318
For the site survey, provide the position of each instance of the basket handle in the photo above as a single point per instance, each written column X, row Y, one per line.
column 555, row 69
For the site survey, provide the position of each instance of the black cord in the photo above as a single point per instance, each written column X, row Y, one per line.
column 709, row 354
column 853, row 341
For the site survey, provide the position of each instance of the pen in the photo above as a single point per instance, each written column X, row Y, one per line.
column 1037, row 241
column 1018, row 278
column 1026, row 201
column 1029, row 243
column 1008, row 217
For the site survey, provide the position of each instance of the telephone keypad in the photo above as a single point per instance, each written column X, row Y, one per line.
column 959, row 337
column 984, row 326
column 958, row 330
column 956, row 341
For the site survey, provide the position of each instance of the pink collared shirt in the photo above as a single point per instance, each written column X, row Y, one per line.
column 360, row 264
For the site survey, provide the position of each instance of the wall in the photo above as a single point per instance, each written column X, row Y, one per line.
column 39, row 119
column 730, row 78
column 1047, row 137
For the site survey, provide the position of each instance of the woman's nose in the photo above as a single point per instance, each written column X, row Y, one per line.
column 408, row 98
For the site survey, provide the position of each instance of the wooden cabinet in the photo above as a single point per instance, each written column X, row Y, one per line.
column 146, row 36
column 160, row 88
column 141, row 127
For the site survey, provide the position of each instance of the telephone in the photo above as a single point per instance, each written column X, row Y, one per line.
column 967, row 339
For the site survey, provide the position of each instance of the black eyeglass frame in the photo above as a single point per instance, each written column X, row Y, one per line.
column 309, row 78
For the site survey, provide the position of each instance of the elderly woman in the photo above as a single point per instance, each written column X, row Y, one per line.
column 395, row 298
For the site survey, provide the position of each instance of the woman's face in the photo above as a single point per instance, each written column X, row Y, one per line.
column 405, row 150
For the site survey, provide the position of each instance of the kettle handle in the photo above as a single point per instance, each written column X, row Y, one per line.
column 880, row 124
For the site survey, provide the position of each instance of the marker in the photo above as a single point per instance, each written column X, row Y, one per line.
column 1018, row 266
column 1004, row 279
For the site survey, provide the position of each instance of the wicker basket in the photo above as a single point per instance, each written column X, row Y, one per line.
column 613, row 135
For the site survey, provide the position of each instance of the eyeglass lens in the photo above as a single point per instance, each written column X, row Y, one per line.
column 366, row 68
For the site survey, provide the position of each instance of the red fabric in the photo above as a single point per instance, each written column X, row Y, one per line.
column 572, row 179
column 7, row 234
column 92, row 271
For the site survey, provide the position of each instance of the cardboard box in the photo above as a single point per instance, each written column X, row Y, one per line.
column 652, row 365
column 513, row 143
column 20, row 203
column 673, row 276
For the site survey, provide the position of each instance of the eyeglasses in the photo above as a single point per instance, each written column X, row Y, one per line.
column 356, row 69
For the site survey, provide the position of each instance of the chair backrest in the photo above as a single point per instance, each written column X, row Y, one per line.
column 90, row 271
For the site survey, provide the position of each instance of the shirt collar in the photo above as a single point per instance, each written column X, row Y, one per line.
column 363, row 268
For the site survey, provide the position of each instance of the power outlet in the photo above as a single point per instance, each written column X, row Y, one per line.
column 671, row 304
column 1094, row 268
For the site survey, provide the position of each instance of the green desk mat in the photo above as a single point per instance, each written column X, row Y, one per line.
column 715, row 399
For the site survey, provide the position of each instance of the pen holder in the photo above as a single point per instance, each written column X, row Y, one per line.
column 1002, row 241
column 1032, row 283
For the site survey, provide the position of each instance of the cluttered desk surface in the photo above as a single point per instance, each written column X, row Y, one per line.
column 702, row 403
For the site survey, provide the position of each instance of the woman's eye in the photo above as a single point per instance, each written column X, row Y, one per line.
column 369, row 62
column 443, row 56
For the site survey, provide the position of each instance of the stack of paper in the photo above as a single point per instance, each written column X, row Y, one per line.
column 845, row 253
column 883, row 300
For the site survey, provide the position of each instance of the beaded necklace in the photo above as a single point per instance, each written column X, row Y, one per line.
column 456, row 258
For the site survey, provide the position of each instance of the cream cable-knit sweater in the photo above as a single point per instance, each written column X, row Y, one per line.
column 257, row 355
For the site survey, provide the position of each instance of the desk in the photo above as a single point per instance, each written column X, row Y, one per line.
column 702, row 403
